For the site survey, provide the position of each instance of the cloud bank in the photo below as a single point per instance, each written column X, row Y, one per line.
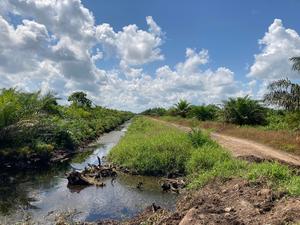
column 44, row 46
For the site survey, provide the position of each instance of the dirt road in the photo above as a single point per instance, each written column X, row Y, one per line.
column 245, row 148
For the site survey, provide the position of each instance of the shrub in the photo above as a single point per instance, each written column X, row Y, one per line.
column 199, row 137
column 34, row 123
column 293, row 120
column 203, row 113
column 283, row 120
column 244, row 111
column 155, row 112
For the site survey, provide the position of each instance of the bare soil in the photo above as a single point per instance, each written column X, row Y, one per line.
column 236, row 202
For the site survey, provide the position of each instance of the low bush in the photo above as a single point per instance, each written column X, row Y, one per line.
column 158, row 111
column 199, row 137
column 204, row 112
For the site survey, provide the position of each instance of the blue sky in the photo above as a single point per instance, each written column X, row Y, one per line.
column 228, row 29
column 136, row 54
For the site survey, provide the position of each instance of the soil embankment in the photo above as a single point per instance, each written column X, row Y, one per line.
column 233, row 202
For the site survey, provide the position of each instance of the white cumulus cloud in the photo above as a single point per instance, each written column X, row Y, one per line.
column 187, row 80
column 278, row 45
column 132, row 45
column 52, row 49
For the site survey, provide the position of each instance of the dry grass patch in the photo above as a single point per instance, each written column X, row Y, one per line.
column 284, row 140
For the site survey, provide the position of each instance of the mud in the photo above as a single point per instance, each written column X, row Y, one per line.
column 233, row 202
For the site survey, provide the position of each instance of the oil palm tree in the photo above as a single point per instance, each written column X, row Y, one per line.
column 182, row 107
column 296, row 63
column 284, row 93
column 244, row 110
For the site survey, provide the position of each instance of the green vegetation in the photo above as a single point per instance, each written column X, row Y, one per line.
column 182, row 108
column 285, row 94
column 204, row 112
column 79, row 99
column 155, row 112
column 199, row 137
column 34, row 125
column 244, row 111
column 296, row 63
column 248, row 118
column 153, row 148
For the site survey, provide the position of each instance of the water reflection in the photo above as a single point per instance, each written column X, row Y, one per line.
column 38, row 194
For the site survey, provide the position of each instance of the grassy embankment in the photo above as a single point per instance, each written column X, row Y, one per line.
column 33, row 127
column 284, row 139
column 153, row 148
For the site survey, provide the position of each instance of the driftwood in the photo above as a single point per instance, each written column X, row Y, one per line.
column 91, row 175
column 173, row 185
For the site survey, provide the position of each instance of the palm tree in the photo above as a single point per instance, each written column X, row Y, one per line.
column 244, row 110
column 296, row 63
column 283, row 93
column 79, row 99
column 48, row 103
column 182, row 107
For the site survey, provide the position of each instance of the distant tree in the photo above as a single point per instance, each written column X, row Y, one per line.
column 283, row 93
column 49, row 103
column 79, row 99
column 296, row 63
column 243, row 111
column 204, row 112
column 182, row 108
column 171, row 111
column 158, row 111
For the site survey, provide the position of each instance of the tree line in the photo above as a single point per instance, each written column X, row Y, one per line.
column 281, row 100
column 34, row 125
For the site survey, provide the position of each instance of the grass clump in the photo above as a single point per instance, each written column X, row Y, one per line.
column 223, row 166
column 272, row 171
column 206, row 157
column 205, row 166
column 152, row 148
column 199, row 137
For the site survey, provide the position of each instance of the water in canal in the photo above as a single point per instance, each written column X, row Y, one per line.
column 38, row 196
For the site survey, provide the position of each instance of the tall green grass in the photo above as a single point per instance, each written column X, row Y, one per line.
column 153, row 148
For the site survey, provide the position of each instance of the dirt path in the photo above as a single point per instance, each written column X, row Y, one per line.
column 245, row 148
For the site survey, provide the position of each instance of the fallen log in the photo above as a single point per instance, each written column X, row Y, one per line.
column 173, row 185
column 91, row 175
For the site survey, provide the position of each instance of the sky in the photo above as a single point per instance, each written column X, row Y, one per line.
column 137, row 54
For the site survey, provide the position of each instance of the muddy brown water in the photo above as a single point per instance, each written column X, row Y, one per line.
column 39, row 196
